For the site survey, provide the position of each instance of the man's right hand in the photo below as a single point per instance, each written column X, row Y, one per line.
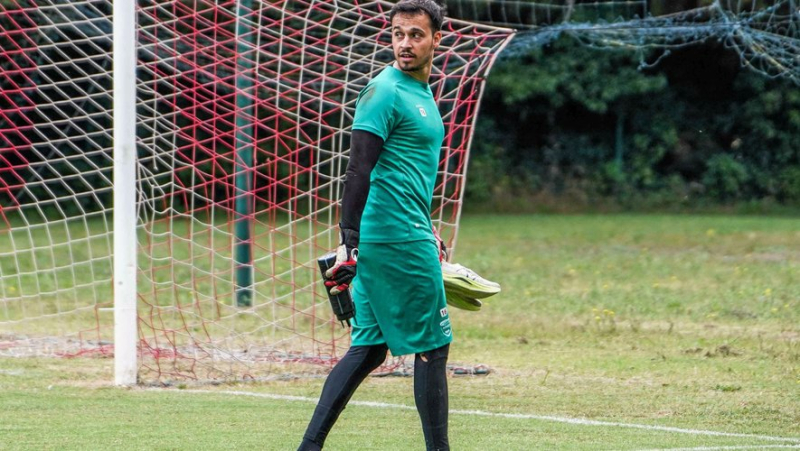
column 440, row 245
column 343, row 271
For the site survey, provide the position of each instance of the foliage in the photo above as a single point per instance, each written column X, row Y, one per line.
column 603, row 123
column 725, row 177
column 789, row 184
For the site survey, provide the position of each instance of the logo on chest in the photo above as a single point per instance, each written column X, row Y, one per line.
column 422, row 111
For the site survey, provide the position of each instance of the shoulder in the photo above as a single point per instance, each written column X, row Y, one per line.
column 376, row 108
column 384, row 86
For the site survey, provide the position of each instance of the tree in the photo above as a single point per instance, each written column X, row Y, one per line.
column 585, row 85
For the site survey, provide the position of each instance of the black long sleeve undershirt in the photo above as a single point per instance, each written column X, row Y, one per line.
column 365, row 149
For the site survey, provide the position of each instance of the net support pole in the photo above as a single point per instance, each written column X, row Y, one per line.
column 619, row 139
column 243, row 160
column 124, row 113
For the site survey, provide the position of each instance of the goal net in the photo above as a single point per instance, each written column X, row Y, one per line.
column 763, row 33
column 243, row 113
column 243, row 109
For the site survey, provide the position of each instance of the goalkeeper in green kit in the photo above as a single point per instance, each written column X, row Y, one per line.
column 386, row 232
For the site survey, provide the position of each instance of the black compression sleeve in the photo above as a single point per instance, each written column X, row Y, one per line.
column 365, row 149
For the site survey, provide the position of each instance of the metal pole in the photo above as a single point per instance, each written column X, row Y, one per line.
column 124, row 84
column 243, row 159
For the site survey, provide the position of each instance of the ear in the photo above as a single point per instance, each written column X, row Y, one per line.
column 437, row 38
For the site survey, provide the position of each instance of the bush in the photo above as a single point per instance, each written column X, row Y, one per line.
column 725, row 178
column 694, row 131
column 789, row 185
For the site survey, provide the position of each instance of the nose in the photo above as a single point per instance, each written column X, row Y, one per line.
column 405, row 43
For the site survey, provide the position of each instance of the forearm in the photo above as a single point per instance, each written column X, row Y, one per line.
column 365, row 149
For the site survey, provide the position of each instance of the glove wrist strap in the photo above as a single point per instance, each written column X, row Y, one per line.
column 348, row 237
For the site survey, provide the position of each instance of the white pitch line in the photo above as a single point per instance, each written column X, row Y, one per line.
column 725, row 448
column 519, row 416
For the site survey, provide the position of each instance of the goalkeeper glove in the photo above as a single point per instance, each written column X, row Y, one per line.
column 344, row 270
column 341, row 303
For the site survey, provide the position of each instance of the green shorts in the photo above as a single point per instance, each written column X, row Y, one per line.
column 399, row 298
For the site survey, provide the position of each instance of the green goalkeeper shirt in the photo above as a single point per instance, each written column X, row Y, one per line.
column 401, row 110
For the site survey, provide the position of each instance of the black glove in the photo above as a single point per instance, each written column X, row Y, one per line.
column 344, row 270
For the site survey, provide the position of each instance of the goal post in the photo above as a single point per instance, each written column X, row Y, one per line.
column 125, row 221
column 254, row 121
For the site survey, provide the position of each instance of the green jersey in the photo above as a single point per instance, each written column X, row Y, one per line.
column 401, row 110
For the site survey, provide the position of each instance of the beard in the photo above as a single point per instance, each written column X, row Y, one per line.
column 415, row 65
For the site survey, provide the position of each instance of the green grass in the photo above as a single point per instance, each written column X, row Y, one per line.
column 680, row 321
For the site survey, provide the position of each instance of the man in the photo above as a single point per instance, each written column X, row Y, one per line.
column 386, row 232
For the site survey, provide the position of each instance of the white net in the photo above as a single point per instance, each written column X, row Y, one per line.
column 243, row 115
column 764, row 33
column 55, row 183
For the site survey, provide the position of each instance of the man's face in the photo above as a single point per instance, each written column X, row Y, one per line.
column 413, row 42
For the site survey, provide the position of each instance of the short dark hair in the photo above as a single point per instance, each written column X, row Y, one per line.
column 432, row 8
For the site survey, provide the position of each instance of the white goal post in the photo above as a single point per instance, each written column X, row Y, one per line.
column 125, row 221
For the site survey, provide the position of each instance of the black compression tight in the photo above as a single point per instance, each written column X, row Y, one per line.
column 430, row 395
column 343, row 381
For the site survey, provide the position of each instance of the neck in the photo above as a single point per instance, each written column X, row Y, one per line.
column 422, row 74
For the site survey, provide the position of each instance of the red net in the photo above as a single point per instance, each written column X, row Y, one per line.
column 255, row 118
column 244, row 109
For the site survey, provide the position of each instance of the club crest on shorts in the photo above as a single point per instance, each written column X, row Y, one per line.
column 445, row 325
column 443, row 312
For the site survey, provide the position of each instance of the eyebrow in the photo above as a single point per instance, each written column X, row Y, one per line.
column 397, row 27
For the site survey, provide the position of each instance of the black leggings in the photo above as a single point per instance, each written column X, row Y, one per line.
column 430, row 394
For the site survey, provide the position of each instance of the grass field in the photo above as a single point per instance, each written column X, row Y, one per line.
column 618, row 332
